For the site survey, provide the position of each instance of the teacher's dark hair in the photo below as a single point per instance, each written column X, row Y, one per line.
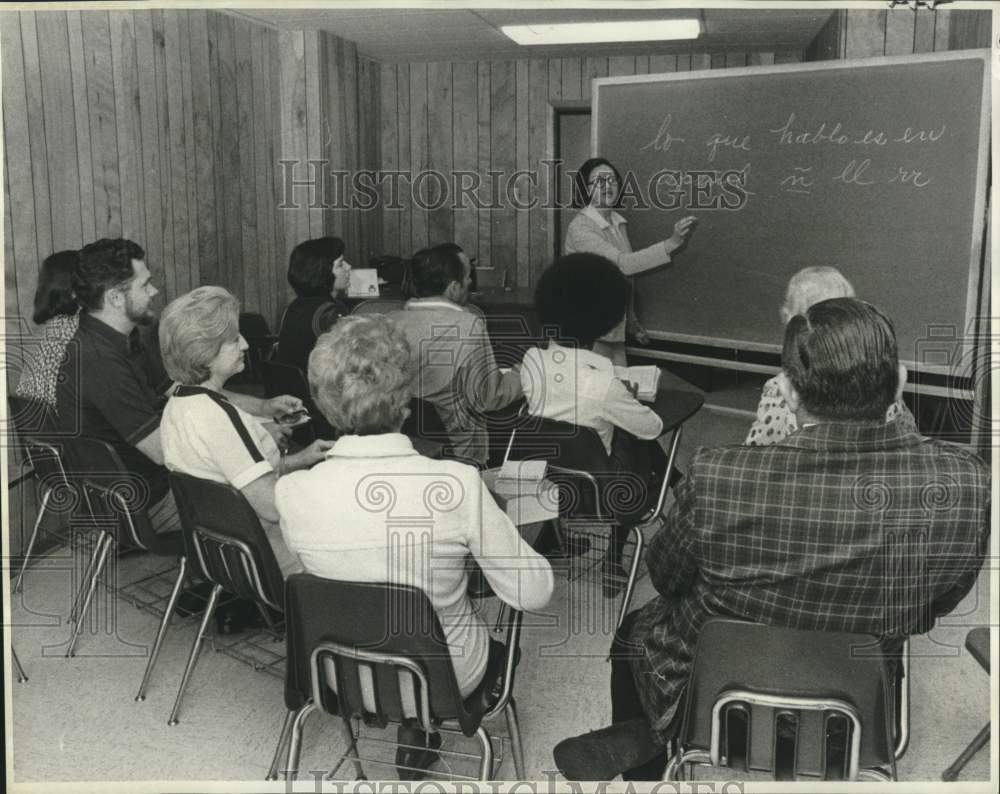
column 842, row 359
column 54, row 294
column 103, row 265
column 580, row 297
column 581, row 188
column 433, row 269
column 310, row 267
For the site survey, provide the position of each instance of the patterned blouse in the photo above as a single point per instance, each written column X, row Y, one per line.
column 775, row 422
column 41, row 370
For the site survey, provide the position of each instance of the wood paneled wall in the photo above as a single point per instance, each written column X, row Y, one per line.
column 159, row 126
column 864, row 33
column 485, row 116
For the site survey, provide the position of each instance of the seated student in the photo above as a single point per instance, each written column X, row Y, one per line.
column 775, row 421
column 579, row 298
column 453, row 358
column 56, row 311
column 107, row 387
column 318, row 273
column 333, row 515
column 202, row 432
column 783, row 534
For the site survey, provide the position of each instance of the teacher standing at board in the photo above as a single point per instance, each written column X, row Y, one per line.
column 598, row 229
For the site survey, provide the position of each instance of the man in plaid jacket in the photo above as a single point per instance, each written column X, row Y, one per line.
column 851, row 524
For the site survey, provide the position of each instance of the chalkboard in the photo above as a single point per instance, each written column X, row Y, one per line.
column 876, row 167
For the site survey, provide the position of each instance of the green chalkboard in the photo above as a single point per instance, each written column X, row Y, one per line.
column 877, row 167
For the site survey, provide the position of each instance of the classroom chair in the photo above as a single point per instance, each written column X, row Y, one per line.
column 378, row 306
column 114, row 498
column 43, row 458
column 359, row 663
column 281, row 378
column 789, row 702
column 223, row 533
column 22, row 676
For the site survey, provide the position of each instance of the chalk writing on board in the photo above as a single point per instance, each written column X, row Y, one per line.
column 800, row 181
column 911, row 135
column 787, row 134
column 910, row 176
column 741, row 143
column 872, row 137
column 664, row 138
column 856, row 173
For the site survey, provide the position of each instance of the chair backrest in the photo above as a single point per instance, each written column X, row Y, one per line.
column 568, row 449
column 281, row 378
column 118, row 499
column 254, row 326
column 345, row 641
column 378, row 306
column 43, row 450
column 816, row 666
column 223, row 534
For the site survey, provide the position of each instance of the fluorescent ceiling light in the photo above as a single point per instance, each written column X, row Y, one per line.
column 594, row 32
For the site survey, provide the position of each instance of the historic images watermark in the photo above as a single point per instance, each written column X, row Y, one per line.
column 314, row 184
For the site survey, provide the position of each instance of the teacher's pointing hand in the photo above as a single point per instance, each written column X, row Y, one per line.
column 682, row 229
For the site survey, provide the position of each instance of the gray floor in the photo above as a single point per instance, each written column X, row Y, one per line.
column 75, row 719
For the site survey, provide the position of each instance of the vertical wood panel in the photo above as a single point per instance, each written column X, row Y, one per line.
column 164, row 263
column 899, row 29
column 440, row 148
column 484, row 82
column 348, row 123
column 621, row 65
column 591, row 68
column 11, row 305
column 190, row 157
column 204, row 152
column 180, row 261
column 923, row 33
column 154, row 184
column 522, row 189
column 213, row 23
column 294, row 142
column 466, row 142
column 700, row 60
column 314, row 81
column 260, row 59
column 250, row 253
column 734, row 60
column 572, row 80
column 370, row 103
column 503, row 94
column 642, row 64
column 418, row 152
column 406, row 241
column 660, row 64
column 538, row 150
column 718, row 60
column 60, row 136
column 969, row 30
column 333, row 148
column 229, row 116
column 85, row 166
column 22, row 241
column 281, row 245
column 35, row 115
column 129, row 123
column 555, row 71
column 683, row 62
column 865, row 34
column 389, row 131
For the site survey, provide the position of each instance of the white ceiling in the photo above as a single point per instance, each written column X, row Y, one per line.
column 421, row 34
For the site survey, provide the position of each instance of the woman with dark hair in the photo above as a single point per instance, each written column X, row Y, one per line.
column 579, row 298
column 598, row 229
column 57, row 312
column 318, row 273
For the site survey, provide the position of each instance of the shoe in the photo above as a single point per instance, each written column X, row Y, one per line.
column 410, row 761
column 614, row 578
column 604, row 754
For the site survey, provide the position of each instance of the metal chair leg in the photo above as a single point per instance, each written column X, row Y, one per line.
column 977, row 744
column 272, row 773
column 21, row 675
column 514, row 731
column 295, row 741
column 195, row 650
column 903, row 739
column 486, row 759
column 352, row 749
column 501, row 614
column 74, row 611
column 162, row 632
column 34, row 536
column 104, row 545
column 632, row 574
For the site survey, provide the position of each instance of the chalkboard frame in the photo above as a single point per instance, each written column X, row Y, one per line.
column 977, row 260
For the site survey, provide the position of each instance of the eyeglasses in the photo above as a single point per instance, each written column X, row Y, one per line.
column 603, row 180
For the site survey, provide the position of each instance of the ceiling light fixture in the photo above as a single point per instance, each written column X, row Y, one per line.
column 595, row 32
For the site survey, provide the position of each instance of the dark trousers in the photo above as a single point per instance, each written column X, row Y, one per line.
column 626, row 705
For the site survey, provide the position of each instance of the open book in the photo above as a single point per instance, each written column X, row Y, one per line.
column 643, row 381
